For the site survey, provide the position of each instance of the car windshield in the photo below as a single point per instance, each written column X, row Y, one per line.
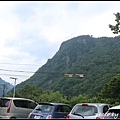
column 85, row 110
column 44, row 107
column 114, row 114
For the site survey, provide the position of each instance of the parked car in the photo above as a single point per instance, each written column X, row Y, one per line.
column 88, row 111
column 112, row 113
column 49, row 110
column 15, row 107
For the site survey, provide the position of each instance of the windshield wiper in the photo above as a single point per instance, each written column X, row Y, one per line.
column 78, row 114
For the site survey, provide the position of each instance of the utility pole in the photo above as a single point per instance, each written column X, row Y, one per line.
column 4, row 90
column 14, row 85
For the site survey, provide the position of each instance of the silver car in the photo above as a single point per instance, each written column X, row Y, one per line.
column 88, row 111
column 15, row 107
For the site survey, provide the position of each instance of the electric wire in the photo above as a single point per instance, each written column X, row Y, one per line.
column 15, row 75
column 17, row 70
column 21, row 64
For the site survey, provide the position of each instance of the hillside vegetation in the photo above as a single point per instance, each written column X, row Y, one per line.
column 97, row 58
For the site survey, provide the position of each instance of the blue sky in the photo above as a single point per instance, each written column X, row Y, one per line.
column 32, row 32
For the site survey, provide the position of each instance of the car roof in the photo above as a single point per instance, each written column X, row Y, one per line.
column 53, row 103
column 93, row 103
column 15, row 98
column 115, row 107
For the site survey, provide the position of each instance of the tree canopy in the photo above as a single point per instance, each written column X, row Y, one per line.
column 116, row 28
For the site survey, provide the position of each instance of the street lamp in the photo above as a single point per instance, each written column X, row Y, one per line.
column 14, row 85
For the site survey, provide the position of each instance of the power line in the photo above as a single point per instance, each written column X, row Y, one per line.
column 17, row 71
column 31, row 71
column 15, row 75
column 22, row 64
column 26, row 72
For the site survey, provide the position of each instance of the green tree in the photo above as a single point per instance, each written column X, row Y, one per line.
column 111, row 90
column 51, row 96
column 37, row 94
column 115, row 28
column 81, row 98
column 28, row 91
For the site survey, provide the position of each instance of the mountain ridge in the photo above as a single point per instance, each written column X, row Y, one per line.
column 4, row 87
column 96, row 58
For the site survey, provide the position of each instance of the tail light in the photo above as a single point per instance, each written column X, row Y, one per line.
column 49, row 117
column 67, row 117
column 29, row 115
column 97, row 118
column 10, row 103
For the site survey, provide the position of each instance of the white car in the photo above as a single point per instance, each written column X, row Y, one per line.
column 88, row 111
column 112, row 113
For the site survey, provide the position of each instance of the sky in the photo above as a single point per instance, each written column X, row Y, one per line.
column 31, row 32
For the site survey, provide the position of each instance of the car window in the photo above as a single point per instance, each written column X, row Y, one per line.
column 85, row 110
column 5, row 102
column 21, row 103
column 66, row 108
column 31, row 104
column 59, row 108
column 44, row 107
column 63, row 108
column 105, row 108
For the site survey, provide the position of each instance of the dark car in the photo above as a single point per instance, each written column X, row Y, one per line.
column 112, row 113
column 49, row 110
column 88, row 111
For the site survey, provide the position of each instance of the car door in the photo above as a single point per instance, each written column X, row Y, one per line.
column 21, row 108
column 62, row 111
column 3, row 107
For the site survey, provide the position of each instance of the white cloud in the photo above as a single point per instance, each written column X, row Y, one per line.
column 32, row 32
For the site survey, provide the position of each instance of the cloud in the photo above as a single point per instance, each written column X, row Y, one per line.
column 32, row 32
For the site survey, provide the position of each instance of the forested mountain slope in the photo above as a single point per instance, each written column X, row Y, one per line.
column 97, row 58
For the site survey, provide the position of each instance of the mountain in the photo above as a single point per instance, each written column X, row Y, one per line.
column 97, row 58
column 4, row 87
